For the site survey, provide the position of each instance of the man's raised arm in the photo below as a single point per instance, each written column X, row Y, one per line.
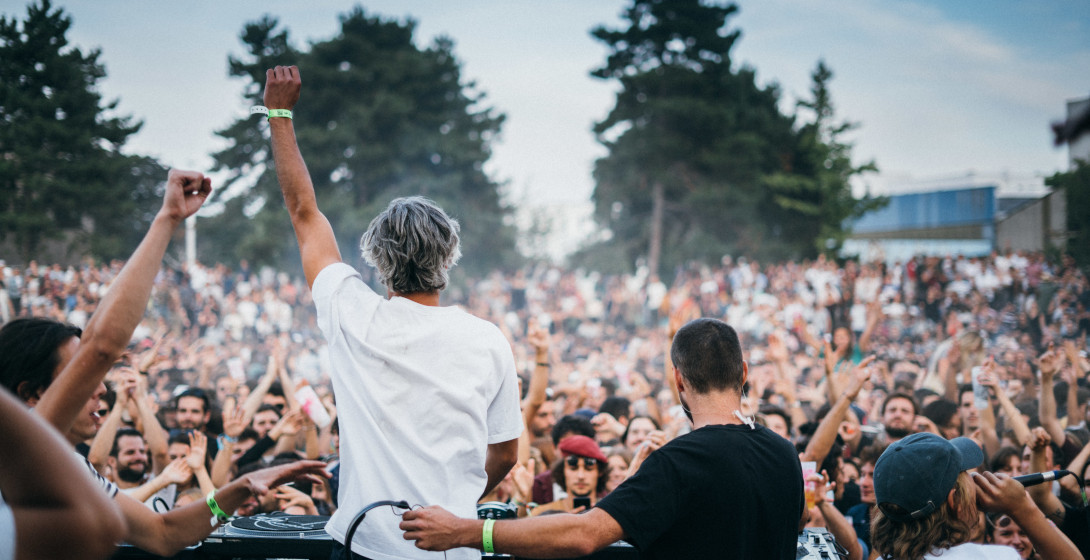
column 111, row 326
column 317, row 245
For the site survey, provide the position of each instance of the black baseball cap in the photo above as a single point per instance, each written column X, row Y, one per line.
column 918, row 472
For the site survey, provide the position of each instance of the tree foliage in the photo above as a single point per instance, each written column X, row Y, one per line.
column 813, row 200
column 378, row 118
column 701, row 156
column 62, row 173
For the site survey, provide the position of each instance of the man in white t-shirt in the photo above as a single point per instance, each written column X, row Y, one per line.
column 427, row 396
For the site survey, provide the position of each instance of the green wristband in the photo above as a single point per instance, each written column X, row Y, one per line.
column 486, row 536
column 218, row 515
column 279, row 113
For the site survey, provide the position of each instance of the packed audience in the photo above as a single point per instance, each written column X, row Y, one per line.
column 844, row 359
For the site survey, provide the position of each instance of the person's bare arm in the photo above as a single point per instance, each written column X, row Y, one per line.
column 947, row 371
column 286, row 382
column 825, row 434
column 317, row 244
column 831, row 358
column 1041, row 494
column 56, row 505
column 310, row 439
column 154, row 434
column 253, row 400
column 499, row 459
column 1013, row 417
column 1049, row 363
column 539, row 379
column 104, row 439
column 176, row 472
column 1072, row 374
column 835, row 521
column 1001, row 493
column 166, row 534
column 110, row 328
column 989, row 436
column 198, row 449
column 234, row 421
column 874, row 316
column 434, row 528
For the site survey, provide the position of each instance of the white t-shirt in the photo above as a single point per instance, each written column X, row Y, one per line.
column 421, row 392
column 161, row 501
column 974, row 551
column 7, row 531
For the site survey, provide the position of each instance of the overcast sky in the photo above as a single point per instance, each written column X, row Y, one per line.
column 939, row 88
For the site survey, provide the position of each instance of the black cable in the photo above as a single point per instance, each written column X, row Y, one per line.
column 359, row 519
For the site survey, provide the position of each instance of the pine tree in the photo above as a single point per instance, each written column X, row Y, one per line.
column 378, row 118
column 62, row 173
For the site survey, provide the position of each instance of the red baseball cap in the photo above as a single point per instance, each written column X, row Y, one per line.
column 582, row 446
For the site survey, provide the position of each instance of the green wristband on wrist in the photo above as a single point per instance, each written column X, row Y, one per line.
column 270, row 113
column 486, row 536
column 218, row 515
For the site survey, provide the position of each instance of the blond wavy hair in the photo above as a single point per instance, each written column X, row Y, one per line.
column 912, row 539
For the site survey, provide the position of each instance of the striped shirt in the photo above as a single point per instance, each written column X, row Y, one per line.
column 109, row 487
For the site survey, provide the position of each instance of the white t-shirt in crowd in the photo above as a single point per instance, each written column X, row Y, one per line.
column 421, row 392
column 161, row 501
column 973, row 551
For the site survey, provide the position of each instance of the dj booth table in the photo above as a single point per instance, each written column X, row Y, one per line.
column 304, row 537
column 294, row 536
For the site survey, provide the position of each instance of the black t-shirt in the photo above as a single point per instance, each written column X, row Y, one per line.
column 1076, row 525
column 718, row 492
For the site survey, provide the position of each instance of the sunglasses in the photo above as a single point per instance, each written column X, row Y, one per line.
column 588, row 462
column 1001, row 522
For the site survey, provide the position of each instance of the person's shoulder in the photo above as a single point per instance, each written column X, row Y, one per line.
column 333, row 275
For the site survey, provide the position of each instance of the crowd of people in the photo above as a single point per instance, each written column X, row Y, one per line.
column 222, row 350
column 717, row 412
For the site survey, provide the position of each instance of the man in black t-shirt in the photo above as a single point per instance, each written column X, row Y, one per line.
column 728, row 489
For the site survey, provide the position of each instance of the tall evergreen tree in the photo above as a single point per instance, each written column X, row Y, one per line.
column 62, row 173
column 689, row 137
column 811, row 204
column 701, row 159
column 379, row 118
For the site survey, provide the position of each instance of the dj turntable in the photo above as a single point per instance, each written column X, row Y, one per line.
column 279, row 535
column 271, row 536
